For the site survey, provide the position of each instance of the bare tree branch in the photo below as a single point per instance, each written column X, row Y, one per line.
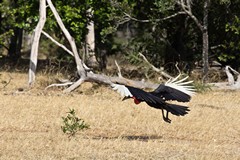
column 64, row 48
column 121, row 80
column 171, row 16
column 230, row 76
column 176, row 65
column 119, row 69
column 75, row 85
column 187, row 9
column 80, row 68
column 234, row 71
column 59, row 85
column 155, row 68
column 129, row 17
column 57, row 43
column 231, row 84
column 7, row 83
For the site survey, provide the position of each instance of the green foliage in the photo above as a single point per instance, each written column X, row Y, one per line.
column 4, row 36
column 225, row 1
column 72, row 124
column 73, row 15
column 164, row 5
column 202, row 87
column 234, row 27
column 231, row 46
column 108, row 17
column 162, row 42
column 16, row 14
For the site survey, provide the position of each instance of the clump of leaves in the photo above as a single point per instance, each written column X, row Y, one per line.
column 202, row 87
column 72, row 124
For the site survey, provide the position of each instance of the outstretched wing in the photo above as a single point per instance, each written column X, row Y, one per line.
column 127, row 91
column 175, row 90
column 145, row 96
column 122, row 90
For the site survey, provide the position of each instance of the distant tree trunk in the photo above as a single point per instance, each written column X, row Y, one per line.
column 205, row 49
column 0, row 19
column 186, row 6
column 16, row 39
column 27, row 41
column 15, row 44
column 90, row 41
column 20, row 40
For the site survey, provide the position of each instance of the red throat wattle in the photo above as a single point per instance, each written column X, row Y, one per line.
column 136, row 101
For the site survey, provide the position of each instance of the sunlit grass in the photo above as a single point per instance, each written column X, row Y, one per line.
column 30, row 125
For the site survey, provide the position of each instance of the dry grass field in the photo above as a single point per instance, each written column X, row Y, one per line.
column 30, row 125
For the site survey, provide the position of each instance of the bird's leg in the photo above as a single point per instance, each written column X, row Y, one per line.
column 166, row 119
column 169, row 120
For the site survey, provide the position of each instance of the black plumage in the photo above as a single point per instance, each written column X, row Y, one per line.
column 169, row 93
column 157, row 99
column 173, row 89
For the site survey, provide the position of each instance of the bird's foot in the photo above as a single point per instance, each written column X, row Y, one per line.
column 167, row 120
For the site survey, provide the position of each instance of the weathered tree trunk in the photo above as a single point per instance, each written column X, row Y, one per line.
column 90, row 41
column 35, row 43
column 205, row 48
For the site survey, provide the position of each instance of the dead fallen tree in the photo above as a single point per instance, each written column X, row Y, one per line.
column 85, row 74
column 232, row 84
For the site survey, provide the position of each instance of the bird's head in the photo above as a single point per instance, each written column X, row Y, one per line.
column 126, row 97
column 136, row 101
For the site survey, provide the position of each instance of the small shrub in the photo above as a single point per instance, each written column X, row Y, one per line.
column 202, row 87
column 72, row 124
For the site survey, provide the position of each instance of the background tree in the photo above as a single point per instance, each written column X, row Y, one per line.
column 163, row 32
column 16, row 16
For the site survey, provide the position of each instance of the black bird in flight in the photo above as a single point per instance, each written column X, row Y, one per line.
column 173, row 89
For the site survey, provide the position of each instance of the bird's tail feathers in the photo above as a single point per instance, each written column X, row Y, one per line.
column 177, row 110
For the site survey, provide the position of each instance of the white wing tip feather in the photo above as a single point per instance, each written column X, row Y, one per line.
column 181, row 85
column 122, row 90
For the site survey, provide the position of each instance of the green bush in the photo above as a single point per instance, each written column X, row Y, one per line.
column 72, row 124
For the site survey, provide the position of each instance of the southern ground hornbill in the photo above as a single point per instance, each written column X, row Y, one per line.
column 174, row 89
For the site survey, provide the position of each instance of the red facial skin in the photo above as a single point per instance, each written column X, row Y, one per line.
column 136, row 101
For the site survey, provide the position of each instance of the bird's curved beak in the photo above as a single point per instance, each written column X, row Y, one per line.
column 125, row 98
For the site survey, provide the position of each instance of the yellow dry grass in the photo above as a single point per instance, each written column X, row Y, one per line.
column 30, row 125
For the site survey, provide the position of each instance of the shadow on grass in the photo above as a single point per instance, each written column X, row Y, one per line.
column 144, row 138
column 209, row 106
